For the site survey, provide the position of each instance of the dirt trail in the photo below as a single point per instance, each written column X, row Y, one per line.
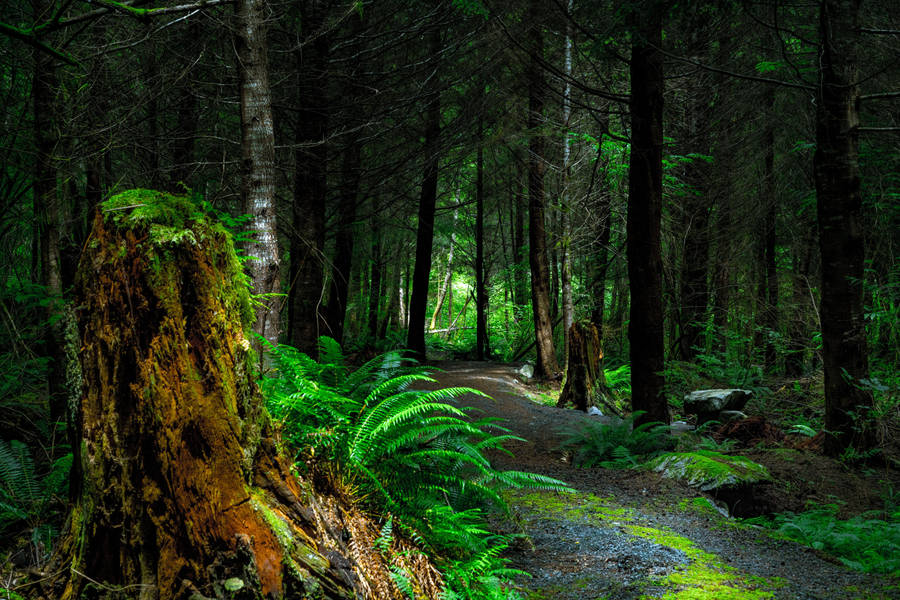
column 631, row 534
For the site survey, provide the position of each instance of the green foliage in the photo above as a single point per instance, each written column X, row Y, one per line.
column 618, row 444
column 619, row 379
column 410, row 451
column 863, row 543
column 28, row 496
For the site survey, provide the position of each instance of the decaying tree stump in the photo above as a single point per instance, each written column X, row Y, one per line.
column 183, row 493
column 585, row 382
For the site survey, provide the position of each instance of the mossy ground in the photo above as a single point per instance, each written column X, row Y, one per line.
column 696, row 574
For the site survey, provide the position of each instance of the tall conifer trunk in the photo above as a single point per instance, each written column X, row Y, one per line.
column 306, row 311
column 844, row 348
column 645, row 332
column 258, row 164
column 415, row 340
column 546, row 365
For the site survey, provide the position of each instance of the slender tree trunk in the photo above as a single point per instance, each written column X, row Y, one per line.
column 307, row 270
column 518, row 247
column 770, row 308
column 481, row 331
column 694, row 289
column 377, row 263
column 187, row 119
column 415, row 340
column 343, row 259
column 798, row 331
column 546, row 366
column 841, row 244
column 599, row 267
column 46, row 206
column 448, row 277
column 645, row 332
column 258, row 166
column 568, row 305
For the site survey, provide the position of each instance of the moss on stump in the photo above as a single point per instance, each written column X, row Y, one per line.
column 183, row 493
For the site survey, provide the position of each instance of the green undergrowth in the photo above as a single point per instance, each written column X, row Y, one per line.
column 863, row 543
column 416, row 458
column 619, row 444
column 702, row 576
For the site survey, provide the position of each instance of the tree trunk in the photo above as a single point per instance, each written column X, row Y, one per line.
column 258, row 166
column 187, row 118
column 343, row 260
column 46, row 206
column 448, row 277
column 770, row 308
column 518, row 248
column 568, row 304
column 546, row 366
column 645, row 332
column 183, row 493
column 377, row 264
column 585, row 381
column 415, row 340
column 481, row 332
column 600, row 265
column 841, row 245
column 310, row 185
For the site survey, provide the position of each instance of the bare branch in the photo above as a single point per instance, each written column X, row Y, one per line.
column 29, row 38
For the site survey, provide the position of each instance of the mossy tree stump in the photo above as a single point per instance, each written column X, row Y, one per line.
column 585, row 381
column 183, row 493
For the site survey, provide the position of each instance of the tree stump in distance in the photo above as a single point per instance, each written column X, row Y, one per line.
column 183, row 494
column 584, row 377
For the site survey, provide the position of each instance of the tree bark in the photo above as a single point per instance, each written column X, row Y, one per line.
column 258, row 166
column 343, row 258
column 584, row 373
column 770, row 308
column 518, row 247
column 546, row 366
column 415, row 340
column 645, row 333
column 481, row 331
column 183, row 489
column 46, row 206
column 448, row 276
column 841, row 245
column 307, row 271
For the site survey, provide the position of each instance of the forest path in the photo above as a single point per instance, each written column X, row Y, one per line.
column 632, row 534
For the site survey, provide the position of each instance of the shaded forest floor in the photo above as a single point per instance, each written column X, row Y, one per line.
column 630, row 533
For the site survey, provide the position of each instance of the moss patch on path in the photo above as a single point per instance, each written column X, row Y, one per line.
column 634, row 560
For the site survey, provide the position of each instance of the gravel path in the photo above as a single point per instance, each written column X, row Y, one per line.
column 631, row 534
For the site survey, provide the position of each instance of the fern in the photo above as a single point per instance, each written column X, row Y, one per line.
column 616, row 445
column 415, row 454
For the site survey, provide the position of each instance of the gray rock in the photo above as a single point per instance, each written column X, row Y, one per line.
column 708, row 404
column 593, row 410
column 526, row 371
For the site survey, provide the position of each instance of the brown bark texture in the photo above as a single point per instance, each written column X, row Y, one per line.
column 546, row 366
column 183, row 493
column 645, row 332
column 584, row 373
column 839, row 204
